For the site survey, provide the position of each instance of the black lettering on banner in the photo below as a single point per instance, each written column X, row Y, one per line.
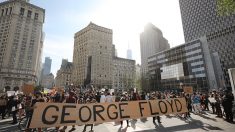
column 54, row 117
column 67, row 114
column 177, row 108
column 151, row 110
column 141, row 108
column 97, row 112
column 121, row 110
column 80, row 114
column 115, row 113
column 159, row 104
column 171, row 104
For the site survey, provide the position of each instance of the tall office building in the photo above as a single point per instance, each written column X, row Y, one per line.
column 201, row 18
column 129, row 53
column 92, row 56
column 151, row 42
column 47, row 66
column 20, row 42
column 189, row 64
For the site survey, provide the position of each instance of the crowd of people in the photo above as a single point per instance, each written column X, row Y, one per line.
column 219, row 103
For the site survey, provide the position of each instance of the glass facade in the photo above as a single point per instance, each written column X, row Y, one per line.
column 180, row 66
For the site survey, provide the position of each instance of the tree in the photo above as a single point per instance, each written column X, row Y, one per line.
column 38, row 88
column 226, row 7
column 138, row 84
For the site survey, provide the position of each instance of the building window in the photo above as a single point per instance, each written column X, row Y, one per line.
column 36, row 16
column 2, row 12
column 10, row 10
column 29, row 14
column 22, row 11
column 6, row 11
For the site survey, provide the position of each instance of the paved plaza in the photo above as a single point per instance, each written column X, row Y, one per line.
column 205, row 122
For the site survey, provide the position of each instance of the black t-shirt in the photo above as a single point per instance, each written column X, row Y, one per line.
column 34, row 101
column 71, row 100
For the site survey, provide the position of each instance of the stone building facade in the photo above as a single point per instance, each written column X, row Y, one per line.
column 92, row 56
column 64, row 74
column 20, row 42
column 123, row 74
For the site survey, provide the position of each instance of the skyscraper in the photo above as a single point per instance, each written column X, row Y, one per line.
column 47, row 66
column 129, row 53
column 20, row 42
column 151, row 42
column 92, row 56
column 201, row 18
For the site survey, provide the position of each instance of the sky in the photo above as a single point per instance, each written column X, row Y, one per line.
column 126, row 18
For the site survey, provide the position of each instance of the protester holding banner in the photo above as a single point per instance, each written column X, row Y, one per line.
column 153, row 97
column 88, row 101
column 38, row 98
column 124, row 98
column 70, row 99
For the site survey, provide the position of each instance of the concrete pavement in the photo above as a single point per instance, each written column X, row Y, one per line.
column 204, row 122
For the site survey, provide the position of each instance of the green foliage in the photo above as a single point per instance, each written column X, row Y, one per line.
column 38, row 88
column 226, row 7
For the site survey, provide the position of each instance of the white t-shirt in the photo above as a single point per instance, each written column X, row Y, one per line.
column 102, row 99
column 108, row 98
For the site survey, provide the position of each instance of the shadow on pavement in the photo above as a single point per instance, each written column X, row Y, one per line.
column 206, row 117
column 122, row 130
column 133, row 124
column 194, row 124
column 6, row 126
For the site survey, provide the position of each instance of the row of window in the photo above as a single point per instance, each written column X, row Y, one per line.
column 6, row 11
column 29, row 13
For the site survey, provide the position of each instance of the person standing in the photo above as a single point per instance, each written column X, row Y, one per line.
column 108, row 98
column 3, row 105
column 142, row 96
column 70, row 99
column 14, row 109
column 217, row 106
column 153, row 97
column 212, row 102
column 228, row 104
column 113, row 97
column 196, row 103
column 38, row 98
column 124, row 98
column 88, row 101
column 102, row 98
